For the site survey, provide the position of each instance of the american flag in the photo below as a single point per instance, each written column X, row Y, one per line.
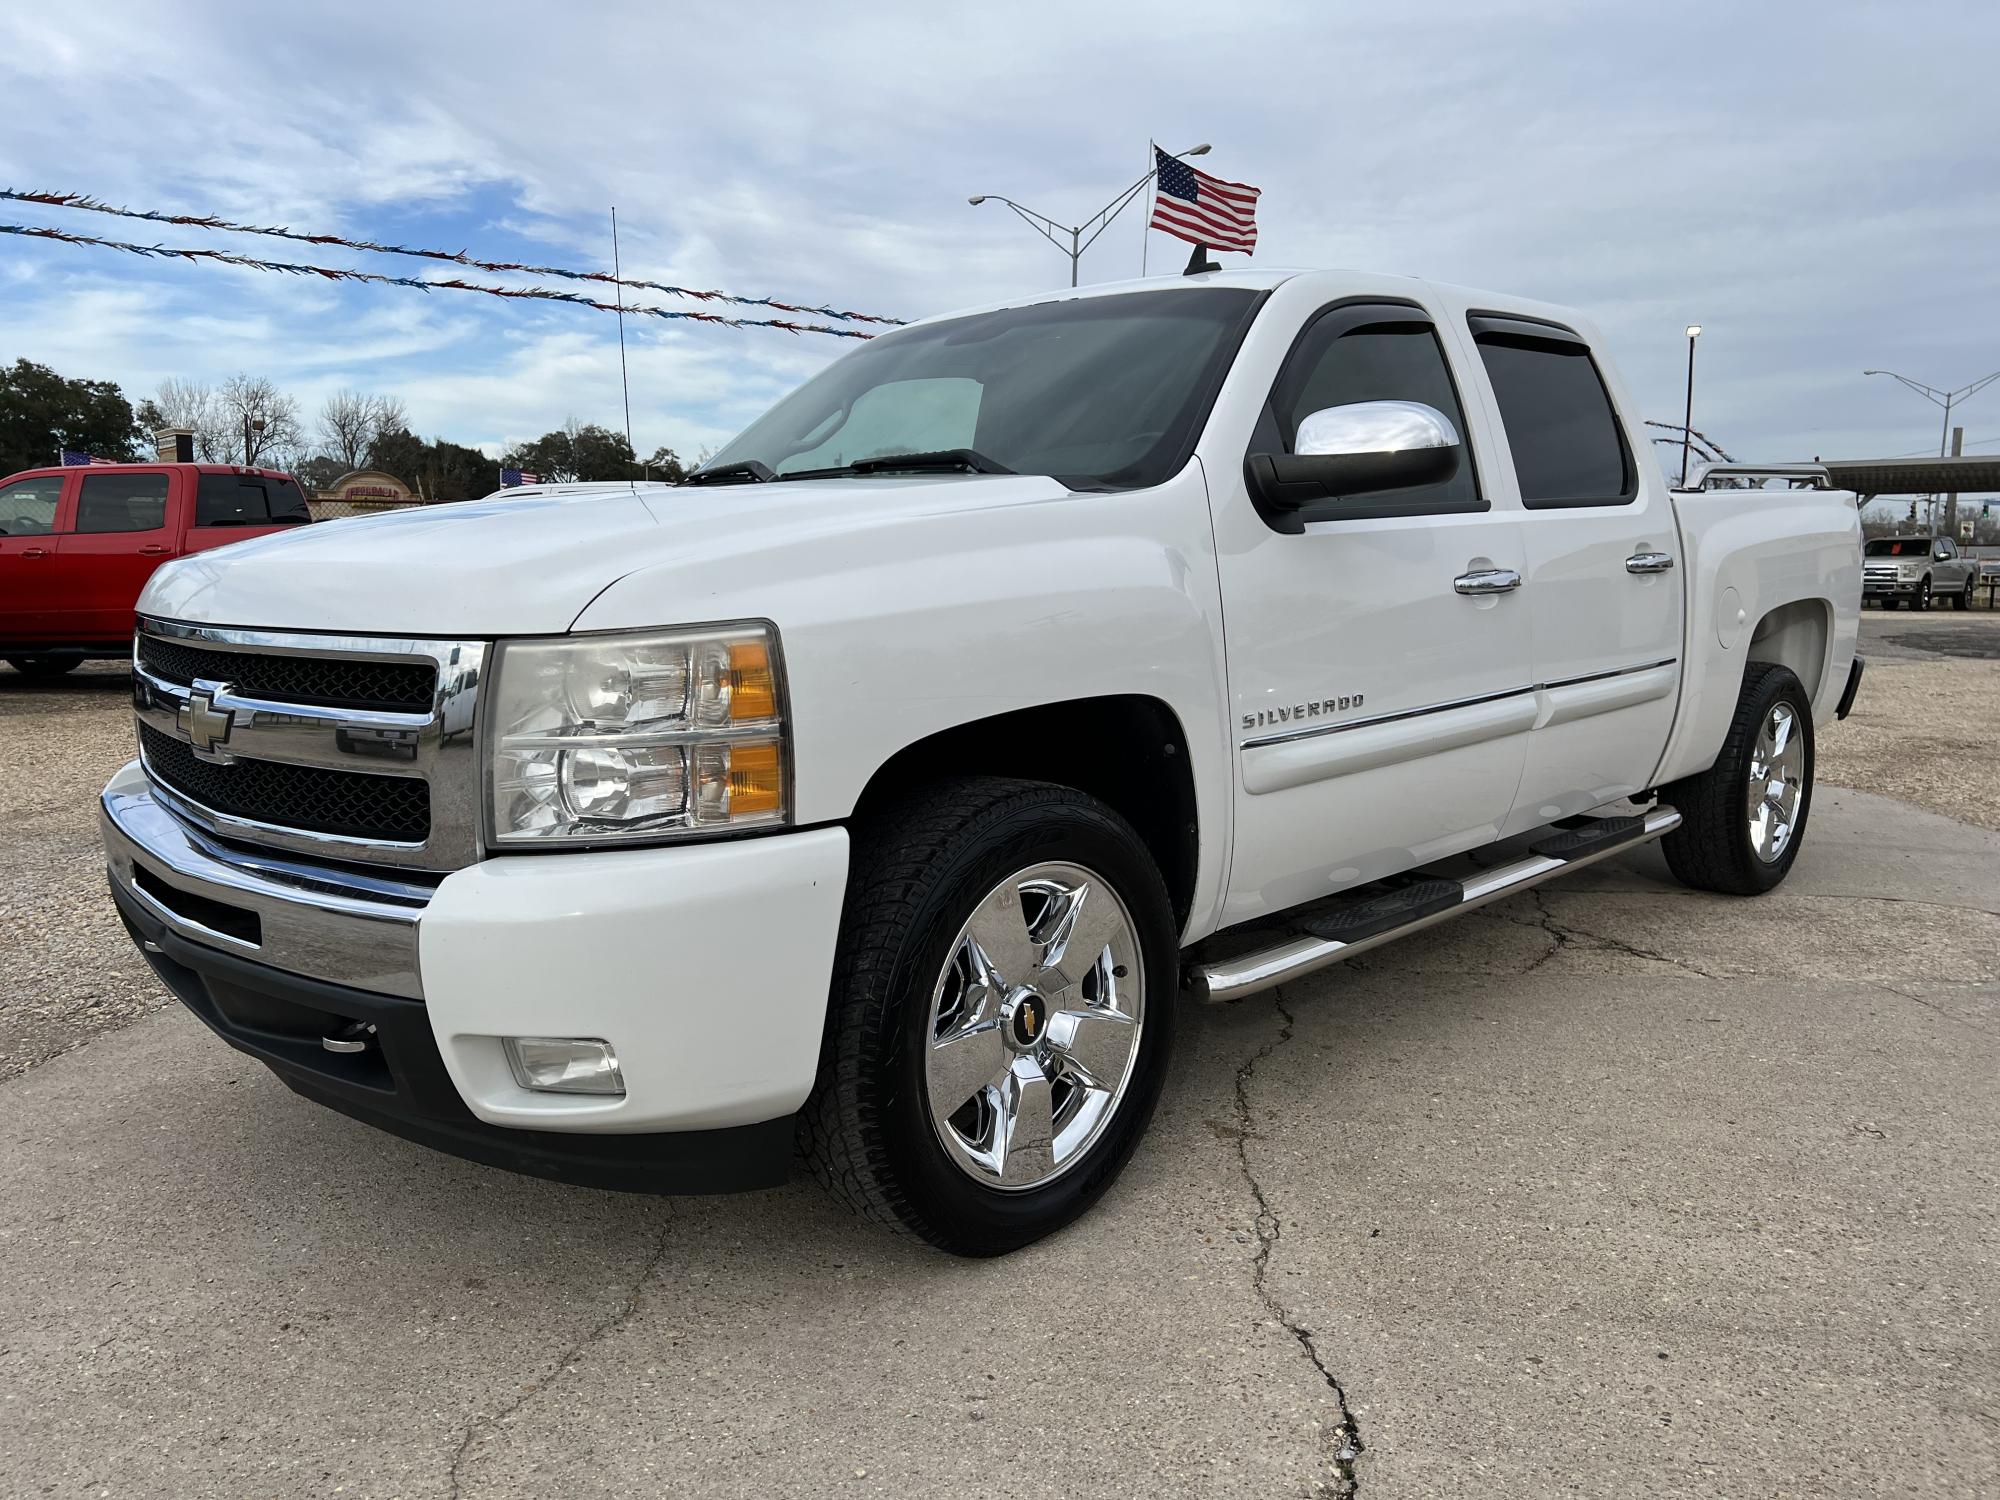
column 1201, row 209
column 510, row 478
column 71, row 459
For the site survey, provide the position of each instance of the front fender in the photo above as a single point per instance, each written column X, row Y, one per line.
column 894, row 633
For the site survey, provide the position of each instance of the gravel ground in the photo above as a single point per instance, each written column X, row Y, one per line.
column 1927, row 719
column 1922, row 731
column 67, row 972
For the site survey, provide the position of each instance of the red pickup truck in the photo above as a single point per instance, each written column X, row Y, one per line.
column 77, row 545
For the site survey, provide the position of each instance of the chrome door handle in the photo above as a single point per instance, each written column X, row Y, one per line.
column 1487, row 581
column 1649, row 562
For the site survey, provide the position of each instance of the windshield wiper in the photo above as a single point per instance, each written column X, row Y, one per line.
column 748, row 471
column 942, row 460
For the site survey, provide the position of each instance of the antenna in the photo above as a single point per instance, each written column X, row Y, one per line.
column 618, row 275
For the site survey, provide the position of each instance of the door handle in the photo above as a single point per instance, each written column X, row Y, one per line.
column 1649, row 562
column 34, row 552
column 152, row 549
column 1487, row 581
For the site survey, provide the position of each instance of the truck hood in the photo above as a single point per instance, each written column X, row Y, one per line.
column 529, row 564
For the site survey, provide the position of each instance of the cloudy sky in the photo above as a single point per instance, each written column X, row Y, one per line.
column 1814, row 183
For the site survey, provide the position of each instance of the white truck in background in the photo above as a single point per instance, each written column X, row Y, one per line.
column 876, row 795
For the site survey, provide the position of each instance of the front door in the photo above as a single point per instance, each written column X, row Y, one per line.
column 120, row 535
column 1380, row 712
column 1603, row 588
column 30, row 516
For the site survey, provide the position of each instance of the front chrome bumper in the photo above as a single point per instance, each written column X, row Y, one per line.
column 346, row 926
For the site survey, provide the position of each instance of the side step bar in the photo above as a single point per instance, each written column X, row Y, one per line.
column 1232, row 979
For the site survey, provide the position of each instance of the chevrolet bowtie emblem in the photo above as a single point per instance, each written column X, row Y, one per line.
column 203, row 724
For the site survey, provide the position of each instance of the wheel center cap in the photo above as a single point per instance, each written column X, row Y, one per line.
column 1027, row 1018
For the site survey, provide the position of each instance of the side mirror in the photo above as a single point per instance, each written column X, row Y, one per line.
column 1357, row 449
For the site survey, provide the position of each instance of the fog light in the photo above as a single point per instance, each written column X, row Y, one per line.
column 564, row 1064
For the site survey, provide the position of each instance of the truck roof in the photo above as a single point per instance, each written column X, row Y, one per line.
column 1264, row 279
column 143, row 463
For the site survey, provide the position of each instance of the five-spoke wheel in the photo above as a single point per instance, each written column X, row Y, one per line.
column 1001, row 1016
column 1035, row 1021
column 1777, row 782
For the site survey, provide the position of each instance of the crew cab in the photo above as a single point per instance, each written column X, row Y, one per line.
column 879, row 793
column 78, row 544
column 1914, row 570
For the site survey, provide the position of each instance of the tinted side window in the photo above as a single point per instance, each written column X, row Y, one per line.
column 28, row 506
column 1343, row 359
column 122, row 502
column 231, row 500
column 287, row 500
column 1568, row 446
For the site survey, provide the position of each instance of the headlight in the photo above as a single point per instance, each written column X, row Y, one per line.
column 603, row 738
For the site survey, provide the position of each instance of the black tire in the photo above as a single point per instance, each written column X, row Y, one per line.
column 44, row 666
column 1963, row 598
column 1923, row 599
column 916, row 872
column 1712, row 850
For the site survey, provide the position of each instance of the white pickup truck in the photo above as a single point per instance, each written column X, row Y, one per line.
column 874, row 796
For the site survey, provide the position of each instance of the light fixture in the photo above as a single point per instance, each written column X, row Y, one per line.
column 564, row 1064
column 1694, row 330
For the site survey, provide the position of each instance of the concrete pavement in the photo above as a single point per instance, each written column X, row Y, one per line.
column 1618, row 1191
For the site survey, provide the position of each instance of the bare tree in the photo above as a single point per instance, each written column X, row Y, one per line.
column 262, row 420
column 193, row 405
column 351, row 423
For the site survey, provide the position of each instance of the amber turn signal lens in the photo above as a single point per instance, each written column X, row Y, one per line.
column 756, row 779
column 753, row 692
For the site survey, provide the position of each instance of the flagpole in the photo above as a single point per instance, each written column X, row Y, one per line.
column 1146, row 228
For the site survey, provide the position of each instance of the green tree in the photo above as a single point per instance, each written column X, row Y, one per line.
column 439, row 470
column 576, row 451
column 665, row 464
column 42, row 412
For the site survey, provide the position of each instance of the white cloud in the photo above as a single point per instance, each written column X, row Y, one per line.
column 1807, row 183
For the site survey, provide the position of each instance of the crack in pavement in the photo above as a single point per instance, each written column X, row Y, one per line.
column 1345, row 1442
column 485, row 1423
column 1887, row 988
column 1563, row 934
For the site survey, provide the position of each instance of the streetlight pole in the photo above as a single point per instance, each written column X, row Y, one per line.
column 250, row 424
column 1946, row 399
column 1051, row 231
column 1687, row 421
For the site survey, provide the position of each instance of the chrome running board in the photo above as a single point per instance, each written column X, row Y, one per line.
column 1232, row 979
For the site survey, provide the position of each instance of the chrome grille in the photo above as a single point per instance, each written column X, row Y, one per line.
column 351, row 748
column 350, row 804
column 327, row 681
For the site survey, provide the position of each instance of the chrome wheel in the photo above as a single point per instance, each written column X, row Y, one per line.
column 1777, row 783
column 1034, row 1026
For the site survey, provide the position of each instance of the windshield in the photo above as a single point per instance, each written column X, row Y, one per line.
column 1097, row 391
column 1900, row 547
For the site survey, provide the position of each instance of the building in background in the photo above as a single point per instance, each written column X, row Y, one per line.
column 362, row 492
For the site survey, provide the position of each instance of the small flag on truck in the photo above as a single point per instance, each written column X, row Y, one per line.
column 1203, row 210
column 513, row 478
column 71, row 459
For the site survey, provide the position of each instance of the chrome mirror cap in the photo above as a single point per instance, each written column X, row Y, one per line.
column 1374, row 427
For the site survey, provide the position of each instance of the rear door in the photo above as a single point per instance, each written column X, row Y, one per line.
column 31, row 521
column 121, row 531
column 1602, row 591
column 1380, row 714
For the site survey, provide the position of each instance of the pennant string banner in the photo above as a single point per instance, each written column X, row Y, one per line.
column 457, row 257
column 329, row 273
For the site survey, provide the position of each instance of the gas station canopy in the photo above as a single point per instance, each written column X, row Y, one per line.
column 1916, row 476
